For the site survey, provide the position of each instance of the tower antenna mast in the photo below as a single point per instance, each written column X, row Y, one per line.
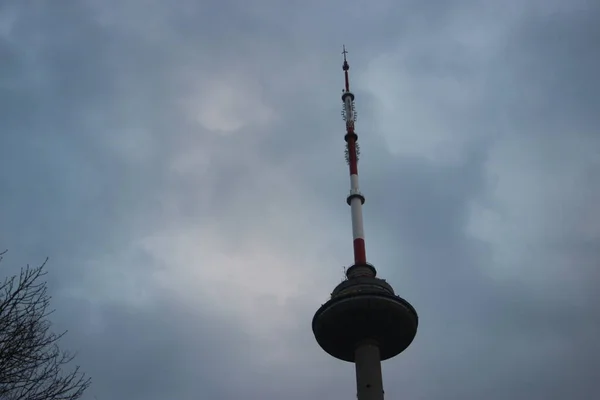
column 355, row 199
column 364, row 322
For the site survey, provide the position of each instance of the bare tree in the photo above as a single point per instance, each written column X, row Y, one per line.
column 32, row 366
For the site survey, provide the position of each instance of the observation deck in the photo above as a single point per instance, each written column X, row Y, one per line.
column 364, row 308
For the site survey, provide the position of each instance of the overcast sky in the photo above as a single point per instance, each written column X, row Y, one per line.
column 182, row 165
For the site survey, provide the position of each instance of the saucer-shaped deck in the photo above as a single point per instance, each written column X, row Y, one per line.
column 345, row 321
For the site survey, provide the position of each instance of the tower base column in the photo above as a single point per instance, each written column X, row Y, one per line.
column 369, row 380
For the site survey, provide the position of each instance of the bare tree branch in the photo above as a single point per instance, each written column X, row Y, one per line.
column 32, row 365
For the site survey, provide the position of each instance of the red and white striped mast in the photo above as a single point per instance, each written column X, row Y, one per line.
column 364, row 321
column 355, row 199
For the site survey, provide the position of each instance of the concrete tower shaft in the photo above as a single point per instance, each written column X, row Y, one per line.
column 364, row 321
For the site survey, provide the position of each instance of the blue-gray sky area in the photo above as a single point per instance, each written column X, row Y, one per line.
column 182, row 165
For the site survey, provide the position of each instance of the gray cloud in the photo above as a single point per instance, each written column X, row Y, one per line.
column 183, row 169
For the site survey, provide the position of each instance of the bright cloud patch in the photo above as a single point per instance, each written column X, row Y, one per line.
column 227, row 104
column 425, row 104
column 540, row 201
